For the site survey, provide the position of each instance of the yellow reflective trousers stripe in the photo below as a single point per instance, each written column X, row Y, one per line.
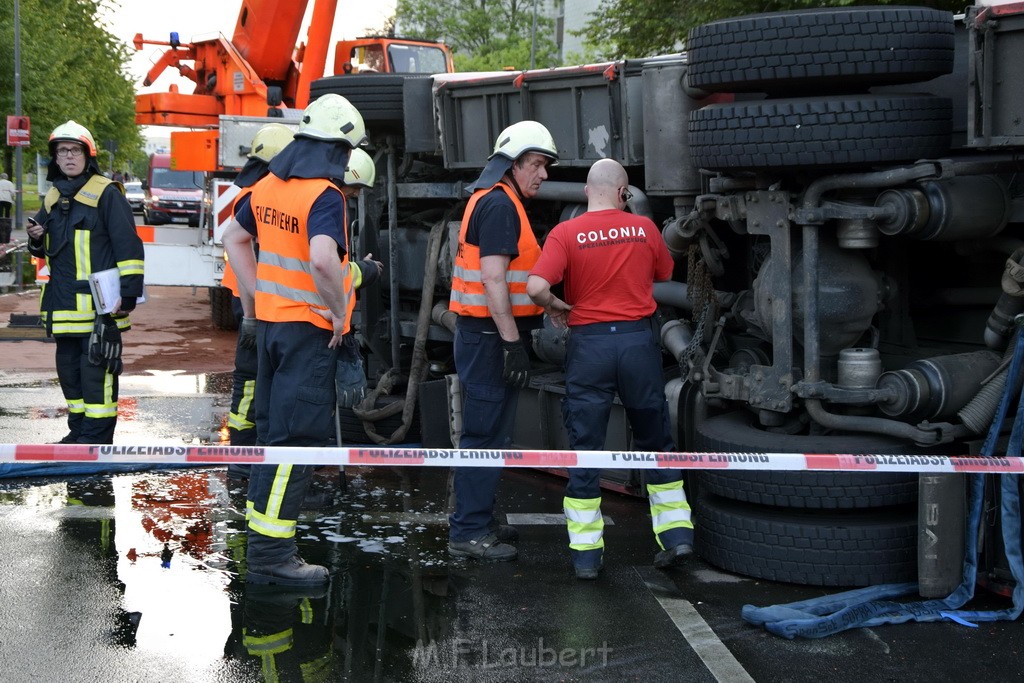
column 584, row 522
column 669, row 508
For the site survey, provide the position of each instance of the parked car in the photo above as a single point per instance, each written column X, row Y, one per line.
column 136, row 197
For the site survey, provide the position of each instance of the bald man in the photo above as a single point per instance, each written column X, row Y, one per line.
column 609, row 260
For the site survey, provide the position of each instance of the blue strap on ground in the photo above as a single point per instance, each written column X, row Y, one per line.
column 875, row 605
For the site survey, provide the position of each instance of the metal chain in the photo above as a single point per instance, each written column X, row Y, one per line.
column 701, row 293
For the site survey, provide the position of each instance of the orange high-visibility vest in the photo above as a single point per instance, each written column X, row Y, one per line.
column 285, row 290
column 468, row 297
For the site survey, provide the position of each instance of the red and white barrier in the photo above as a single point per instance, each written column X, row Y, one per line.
column 460, row 457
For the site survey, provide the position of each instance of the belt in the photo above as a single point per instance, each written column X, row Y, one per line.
column 613, row 327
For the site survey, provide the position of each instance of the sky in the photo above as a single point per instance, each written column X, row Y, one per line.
column 192, row 19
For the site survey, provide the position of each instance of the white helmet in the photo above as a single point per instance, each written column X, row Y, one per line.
column 269, row 140
column 361, row 171
column 332, row 117
column 73, row 132
column 523, row 137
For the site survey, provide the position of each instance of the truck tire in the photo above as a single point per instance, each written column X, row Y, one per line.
column 839, row 549
column 378, row 97
column 842, row 49
column 735, row 433
column 221, row 309
column 839, row 131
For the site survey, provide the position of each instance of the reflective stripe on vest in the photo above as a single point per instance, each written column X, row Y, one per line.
column 468, row 296
column 584, row 522
column 285, row 290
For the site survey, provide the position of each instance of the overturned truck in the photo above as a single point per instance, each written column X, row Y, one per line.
column 840, row 190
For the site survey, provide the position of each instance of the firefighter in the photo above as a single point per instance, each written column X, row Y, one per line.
column 609, row 260
column 268, row 141
column 351, row 378
column 300, row 292
column 497, row 249
column 85, row 226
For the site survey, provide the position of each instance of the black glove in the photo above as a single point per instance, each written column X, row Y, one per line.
column 128, row 303
column 105, row 344
column 517, row 364
column 350, row 382
column 247, row 333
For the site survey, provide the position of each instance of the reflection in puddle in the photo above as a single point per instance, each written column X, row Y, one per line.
column 173, row 543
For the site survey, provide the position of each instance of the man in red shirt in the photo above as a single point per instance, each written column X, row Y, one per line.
column 609, row 260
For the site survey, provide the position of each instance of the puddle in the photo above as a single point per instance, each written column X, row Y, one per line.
column 169, row 548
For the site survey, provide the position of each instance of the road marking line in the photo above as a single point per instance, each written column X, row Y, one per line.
column 719, row 661
column 541, row 518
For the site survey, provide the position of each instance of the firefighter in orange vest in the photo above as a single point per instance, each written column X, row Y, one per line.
column 300, row 291
column 497, row 249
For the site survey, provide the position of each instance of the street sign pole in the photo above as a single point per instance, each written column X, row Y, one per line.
column 17, row 150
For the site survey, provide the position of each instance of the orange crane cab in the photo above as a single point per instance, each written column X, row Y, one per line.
column 261, row 70
column 391, row 55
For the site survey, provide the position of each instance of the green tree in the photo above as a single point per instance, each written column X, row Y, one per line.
column 483, row 34
column 71, row 68
column 642, row 28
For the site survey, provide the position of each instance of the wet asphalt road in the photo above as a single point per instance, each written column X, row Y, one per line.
column 85, row 597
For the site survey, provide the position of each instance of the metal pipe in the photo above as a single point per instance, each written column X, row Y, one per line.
column 672, row 293
column 812, row 348
column 393, row 254
column 876, row 425
column 573, row 192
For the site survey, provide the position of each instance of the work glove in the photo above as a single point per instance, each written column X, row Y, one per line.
column 350, row 382
column 128, row 303
column 105, row 344
column 517, row 364
column 247, row 333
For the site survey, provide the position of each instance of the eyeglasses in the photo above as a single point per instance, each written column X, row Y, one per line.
column 70, row 152
column 626, row 195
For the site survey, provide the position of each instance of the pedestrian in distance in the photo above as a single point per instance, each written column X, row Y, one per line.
column 608, row 260
column 496, row 250
column 7, row 193
column 85, row 226
column 300, row 291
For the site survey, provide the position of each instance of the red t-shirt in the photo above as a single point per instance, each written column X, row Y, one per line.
column 609, row 261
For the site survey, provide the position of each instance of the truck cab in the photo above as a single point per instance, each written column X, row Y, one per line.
column 172, row 196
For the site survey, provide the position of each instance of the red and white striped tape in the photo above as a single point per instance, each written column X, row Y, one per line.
column 462, row 457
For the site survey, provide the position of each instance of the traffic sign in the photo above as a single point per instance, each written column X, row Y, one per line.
column 18, row 134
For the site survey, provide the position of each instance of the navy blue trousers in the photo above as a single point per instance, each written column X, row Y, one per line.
column 488, row 420
column 295, row 403
column 604, row 359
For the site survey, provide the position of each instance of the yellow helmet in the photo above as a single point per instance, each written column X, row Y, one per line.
column 332, row 117
column 361, row 171
column 269, row 140
column 523, row 137
column 73, row 132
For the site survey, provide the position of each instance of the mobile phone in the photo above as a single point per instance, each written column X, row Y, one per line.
column 32, row 221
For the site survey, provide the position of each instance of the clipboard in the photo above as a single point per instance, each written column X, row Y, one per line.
column 105, row 286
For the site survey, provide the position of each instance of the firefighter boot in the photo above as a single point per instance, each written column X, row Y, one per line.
column 293, row 572
column 673, row 556
column 486, row 548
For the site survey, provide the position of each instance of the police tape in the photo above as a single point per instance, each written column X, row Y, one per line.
column 464, row 457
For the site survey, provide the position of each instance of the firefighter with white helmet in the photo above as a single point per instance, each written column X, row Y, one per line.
column 497, row 248
column 301, row 293
column 85, row 226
